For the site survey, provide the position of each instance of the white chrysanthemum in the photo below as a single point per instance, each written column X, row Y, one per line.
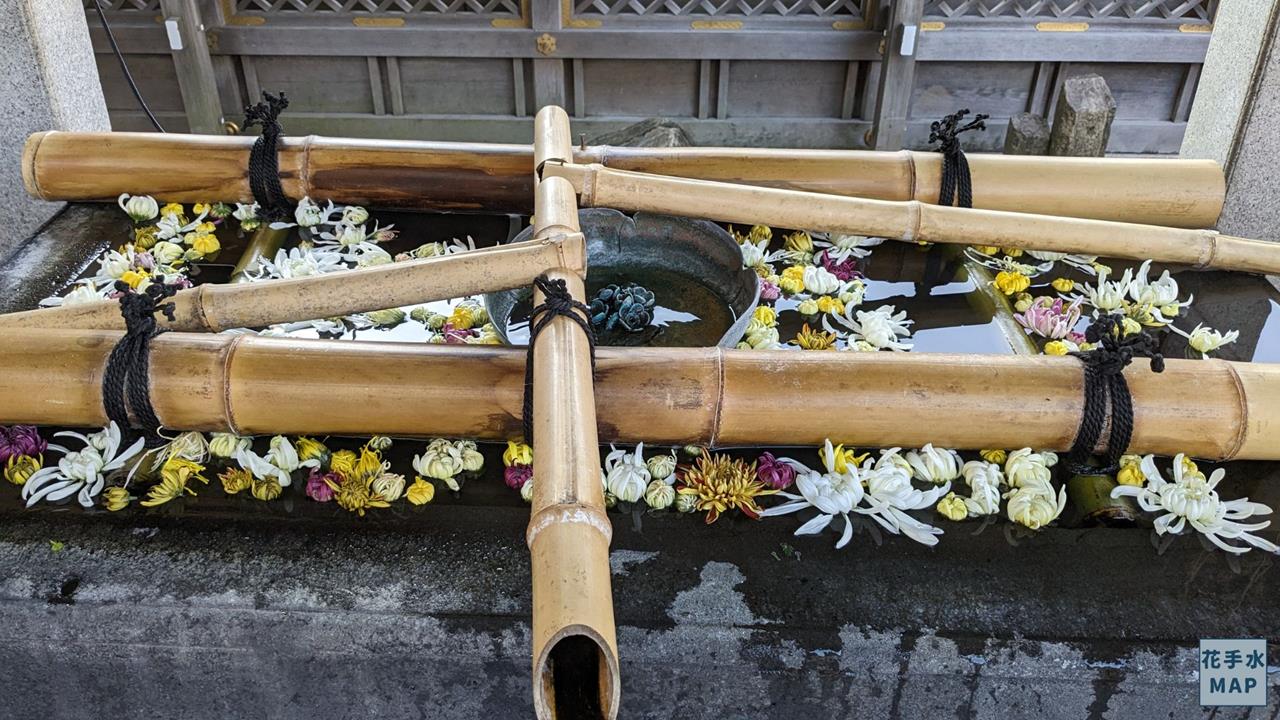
column 820, row 281
column 984, row 479
column 1205, row 340
column 80, row 472
column 1191, row 499
column 881, row 328
column 626, row 474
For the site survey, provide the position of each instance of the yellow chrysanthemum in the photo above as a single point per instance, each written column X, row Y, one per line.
column 266, row 489
column 766, row 315
column 172, row 209
column 1056, row 347
column 463, row 317
column 116, row 498
column 134, row 278
column 987, row 249
column 846, row 456
column 144, row 237
column 183, row 470
column 343, row 462
column 201, row 209
column 1012, row 252
column 21, row 467
column 994, row 456
column 722, row 483
column 809, row 339
column 169, row 488
column 355, row 494
column 517, row 453
column 236, row 480
column 1131, row 471
column 828, row 304
column 310, row 449
column 1010, row 282
column 799, row 241
column 206, row 244
column 420, row 492
column 1064, row 284
column 952, row 507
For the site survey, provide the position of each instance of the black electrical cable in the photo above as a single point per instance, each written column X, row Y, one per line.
column 111, row 38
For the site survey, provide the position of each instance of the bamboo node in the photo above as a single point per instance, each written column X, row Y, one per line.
column 569, row 513
column 1208, row 249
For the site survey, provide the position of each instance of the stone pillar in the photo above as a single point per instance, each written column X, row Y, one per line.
column 1235, row 118
column 48, row 81
column 1082, row 120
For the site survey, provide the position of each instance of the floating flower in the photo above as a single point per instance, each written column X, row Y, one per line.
column 517, row 453
column 462, row 318
column 994, row 456
column 769, row 290
column 881, row 329
column 1011, row 281
column 21, row 440
column 343, row 462
column 389, row 485
column 844, row 270
column 809, row 339
column 890, row 494
column 934, row 465
column 987, row 249
column 774, row 473
column 140, row 208
column 766, row 339
column 1192, row 499
column 754, row 254
column 1158, row 293
column 766, row 315
column 820, row 281
column 188, row 446
column 420, row 492
column 842, row 247
column 1022, row 301
column 722, row 483
column 19, row 469
column 1063, row 285
column 662, row 467
column 354, row 493
column 1057, row 347
column 1130, row 472
column 1106, row 296
column 311, row 449
column 1050, row 318
column 659, row 495
column 626, row 475
column 1012, row 252
column 526, row 491
column 828, row 304
column 1205, row 340
column 82, row 472
column 1026, row 467
column 442, row 460
column 798, row 242
column 952, row 507
column 308, row 214
column 472, row 459
column 318, row 487
column 236, row 480
column 386, row 318
column 116, row 498
column 852, row 293
column 205, row 245
column 1034, row 505
column 515, row 476
column 354, row 215
column 266, row 489
column 984, row 480
column 792, row 280
column 807, row 307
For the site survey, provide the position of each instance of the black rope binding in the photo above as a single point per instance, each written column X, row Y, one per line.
column 955, row 168
column 264, row 162
column 126, row 387
column 558, row 303
column 1105, row 386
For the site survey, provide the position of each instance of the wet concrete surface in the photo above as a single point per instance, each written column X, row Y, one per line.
column 191, row 615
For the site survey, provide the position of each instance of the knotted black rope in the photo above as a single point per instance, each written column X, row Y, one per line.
column 126, row 389
column 1105, row 387
column 955, row 168
column 557, row 303
column 264, row 165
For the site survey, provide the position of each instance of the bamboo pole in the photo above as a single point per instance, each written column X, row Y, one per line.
column 214, row 308
column 475, row 176
column 264, row 243
column 255, row 385
column 913, row 221
column 575, row 650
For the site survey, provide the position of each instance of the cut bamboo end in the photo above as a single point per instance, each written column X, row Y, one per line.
column 575, row 657
column 29, row 151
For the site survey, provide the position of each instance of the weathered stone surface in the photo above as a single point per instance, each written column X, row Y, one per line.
column 1028, row 134
column 48, row 81
column 1082, row 121
column 654, row 132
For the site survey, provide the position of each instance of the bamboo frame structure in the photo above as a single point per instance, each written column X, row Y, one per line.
column 912, row 220
column 478, row 176
column 214, row 308
column 575, row 648
column 254, row 385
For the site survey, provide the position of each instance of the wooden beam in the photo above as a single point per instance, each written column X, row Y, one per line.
column 187, row 43
column 897, row 74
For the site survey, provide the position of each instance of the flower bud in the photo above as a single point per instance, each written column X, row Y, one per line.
column 354, row 215
column 139, row 208
column 659, row 495
column 661, row 467
column 20, row 468
column 266, row 489
column 389, row 485
column 386, row 318
column 226, row 445
column 686, row 503
column 517, row 453
column 952, row 507
column 421, row 492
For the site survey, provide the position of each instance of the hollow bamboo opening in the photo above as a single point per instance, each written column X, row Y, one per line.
column 575, row 666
